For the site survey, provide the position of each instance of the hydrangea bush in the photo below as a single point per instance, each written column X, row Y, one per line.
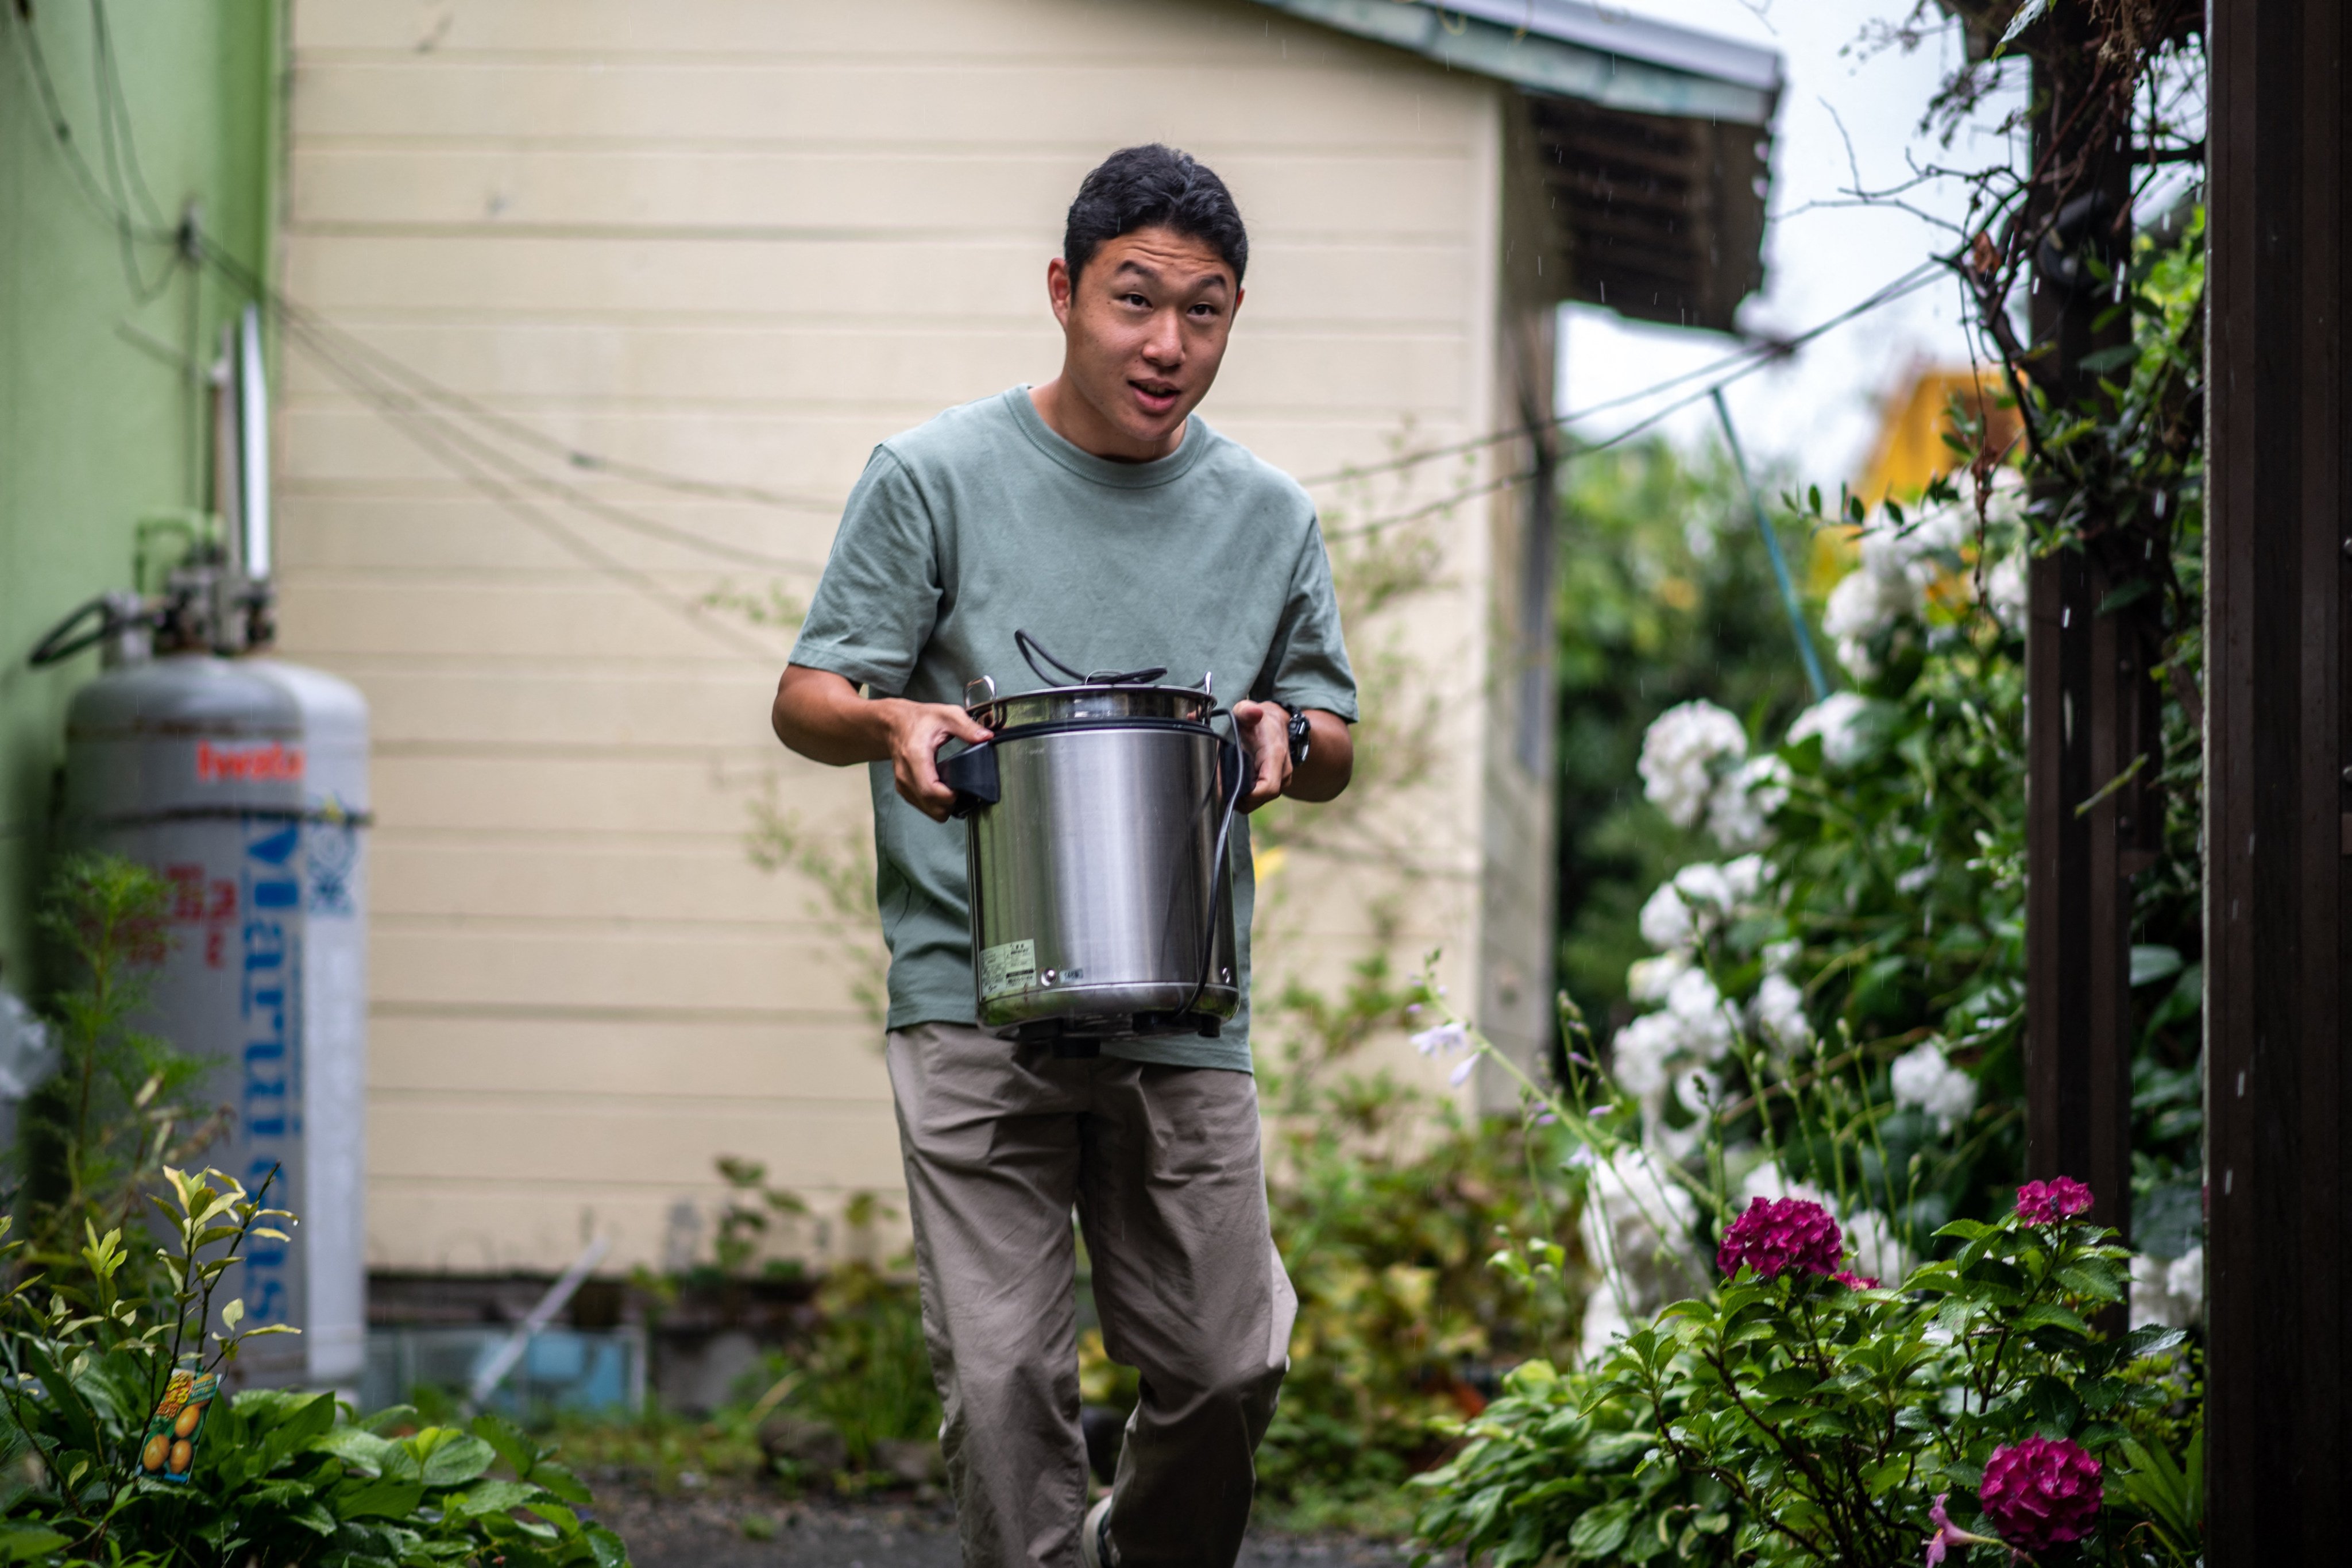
column 1862, row 926
column 1802, row 1415
column 1825, row 1092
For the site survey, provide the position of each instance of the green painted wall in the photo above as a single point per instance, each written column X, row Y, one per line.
column 99, row 424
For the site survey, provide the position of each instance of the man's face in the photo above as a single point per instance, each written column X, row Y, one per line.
column 1144, row 328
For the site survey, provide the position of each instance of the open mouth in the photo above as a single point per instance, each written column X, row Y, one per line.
column 1155, row 396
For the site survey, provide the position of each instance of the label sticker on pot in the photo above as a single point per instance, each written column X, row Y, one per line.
column 1007, row 966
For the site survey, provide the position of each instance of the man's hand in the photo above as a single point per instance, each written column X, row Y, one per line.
column 820, row 715
column 917, row 730
column 1264, row 729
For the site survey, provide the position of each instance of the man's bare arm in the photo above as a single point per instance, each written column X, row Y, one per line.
column 820, row 715
column 1331, row 753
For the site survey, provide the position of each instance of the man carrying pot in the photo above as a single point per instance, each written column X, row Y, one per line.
column 1100, row 513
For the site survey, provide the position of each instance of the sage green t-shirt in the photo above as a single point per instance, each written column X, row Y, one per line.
column 984, row 520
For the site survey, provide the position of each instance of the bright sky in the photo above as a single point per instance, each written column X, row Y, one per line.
column 1818, row 413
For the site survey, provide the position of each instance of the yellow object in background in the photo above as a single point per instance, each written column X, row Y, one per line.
column 1911, row 450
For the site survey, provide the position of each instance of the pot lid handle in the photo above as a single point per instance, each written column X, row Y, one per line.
column 978, row 691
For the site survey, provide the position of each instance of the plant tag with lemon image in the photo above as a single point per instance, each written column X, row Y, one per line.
column 170, row 1451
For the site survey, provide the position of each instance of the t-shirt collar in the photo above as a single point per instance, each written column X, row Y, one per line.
column 1102, row 471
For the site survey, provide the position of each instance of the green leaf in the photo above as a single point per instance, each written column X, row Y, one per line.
column 2152, row 1340
column 491, row 1496
column 457, row 1459
column 314, row 1516
column 561, row 1481
column 378, row 1500
column 2123, row 594
column 2055, row 1409
column 18, row 1543
column 507, row 1441
column 1600, row 1531
column 2048, row 1316
column 610, row 1550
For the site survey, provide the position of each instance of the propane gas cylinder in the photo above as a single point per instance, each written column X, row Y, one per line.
column 244, row 783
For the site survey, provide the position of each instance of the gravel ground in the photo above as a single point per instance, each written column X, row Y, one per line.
column 709, row 1531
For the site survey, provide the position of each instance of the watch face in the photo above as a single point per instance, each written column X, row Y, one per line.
column 1299, row 733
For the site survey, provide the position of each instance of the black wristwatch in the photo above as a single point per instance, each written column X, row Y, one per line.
column 1301, row 737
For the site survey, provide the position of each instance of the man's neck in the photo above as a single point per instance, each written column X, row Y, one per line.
column 1079, row 423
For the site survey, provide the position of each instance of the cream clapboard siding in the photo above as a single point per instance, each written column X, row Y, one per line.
column 743, row 240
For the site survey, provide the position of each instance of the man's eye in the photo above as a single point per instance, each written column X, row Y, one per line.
column 1135, row 300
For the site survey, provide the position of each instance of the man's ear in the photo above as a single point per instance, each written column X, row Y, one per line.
column 1058, row 288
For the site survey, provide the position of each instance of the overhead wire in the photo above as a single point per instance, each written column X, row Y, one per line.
column 1910, row 282
column 390, row 397
column 426, row 409
column 474, row 462
column 1751, row 357
column 118, row 146
column 129, row 230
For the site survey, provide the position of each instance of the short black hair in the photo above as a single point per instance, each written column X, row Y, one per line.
column 1154, row 187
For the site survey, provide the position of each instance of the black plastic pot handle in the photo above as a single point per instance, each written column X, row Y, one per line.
column 972, row 773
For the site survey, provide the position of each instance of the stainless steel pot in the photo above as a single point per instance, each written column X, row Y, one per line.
column 1098, row 815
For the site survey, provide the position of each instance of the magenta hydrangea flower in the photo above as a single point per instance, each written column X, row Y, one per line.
column 1854, row 1281
column 2047, row 1203
column 1948, row 1534
column 1777, row 1235
column 2040, row 1492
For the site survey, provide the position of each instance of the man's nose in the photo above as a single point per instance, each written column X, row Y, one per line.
column 1165, row 344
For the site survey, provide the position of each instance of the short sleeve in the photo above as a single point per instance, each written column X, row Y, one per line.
column 1307, row 666
column 879, row 595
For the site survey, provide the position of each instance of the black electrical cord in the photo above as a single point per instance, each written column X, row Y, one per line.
column 1033, row 650
column 1220, row 877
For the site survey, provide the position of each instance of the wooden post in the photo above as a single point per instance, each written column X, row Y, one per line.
column 2278, row 906
column 2085, row 672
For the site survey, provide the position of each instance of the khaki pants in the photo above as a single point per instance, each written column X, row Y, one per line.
column 1001, row 1140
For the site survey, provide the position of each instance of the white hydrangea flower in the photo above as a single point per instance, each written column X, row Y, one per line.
column 1700, row 1092
column 1741, row 809
column 1923, row 1078
column 1703, row 1020
column 1891, row 581
column 1838, row 719
column 1665, row 920
column 1780, row 1013
column 1679, row 753
column 1640, row 1222
column 1649, row 979
column 1877, row 1251
column 2168, row 1293
column 1688, row 907
column 1638, row 1053
column 1744, row 881
column 1707, row 885
column 1767, row 1180
column 1779, row 955
column 1860, row 607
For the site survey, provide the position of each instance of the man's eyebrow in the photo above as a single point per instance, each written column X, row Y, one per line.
column 1151, row 274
